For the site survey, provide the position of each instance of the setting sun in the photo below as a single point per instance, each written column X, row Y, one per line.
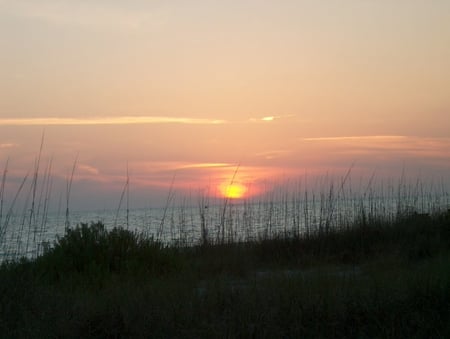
column 233, row 191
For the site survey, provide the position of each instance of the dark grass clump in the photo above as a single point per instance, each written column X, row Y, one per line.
column 92, row 250
column 410, row 238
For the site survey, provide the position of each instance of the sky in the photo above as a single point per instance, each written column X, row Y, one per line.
column 190, row 96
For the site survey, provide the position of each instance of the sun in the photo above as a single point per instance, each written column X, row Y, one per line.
column 233, row 191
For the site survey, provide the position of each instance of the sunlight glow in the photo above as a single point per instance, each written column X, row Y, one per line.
column 233, row 191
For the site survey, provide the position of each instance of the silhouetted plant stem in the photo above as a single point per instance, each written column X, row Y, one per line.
column 68, row 190
column 122, row 195
column 34, row 185
column 2, row 190
column 170, row 196
column 225, row 204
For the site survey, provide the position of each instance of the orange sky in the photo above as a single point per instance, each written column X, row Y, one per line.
column 187, row 91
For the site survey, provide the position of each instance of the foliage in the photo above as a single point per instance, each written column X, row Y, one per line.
column 91, row 249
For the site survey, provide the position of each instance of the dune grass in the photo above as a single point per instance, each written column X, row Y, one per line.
column 368, row 279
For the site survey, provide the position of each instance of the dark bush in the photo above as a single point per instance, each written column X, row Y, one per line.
column 94, row 250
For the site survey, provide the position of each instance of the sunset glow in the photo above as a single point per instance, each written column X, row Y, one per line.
column 171, row 96
column 233, row 191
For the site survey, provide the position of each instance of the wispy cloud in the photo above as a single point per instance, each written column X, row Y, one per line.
column 205, row 165
column 270, row 118
column 88, row 169
column 7, row 145
column 384, row 146
column 273, row 154
column 124, row 120
column 353, row 138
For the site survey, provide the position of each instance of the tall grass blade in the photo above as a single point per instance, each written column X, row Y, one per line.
column 2, row 190
column 122, row 195
column 225, row 205
column 68, row 190
column 169, row 199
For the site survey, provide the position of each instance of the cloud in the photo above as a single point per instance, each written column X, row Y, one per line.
column 383, row 146
column 87, row 169
column 355, row 138
column 7, row 145
column 270, row 118
column 205, row 165
column 273, row 154
column 125, row 120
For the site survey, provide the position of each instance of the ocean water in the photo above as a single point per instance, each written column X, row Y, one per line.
column 26, row 234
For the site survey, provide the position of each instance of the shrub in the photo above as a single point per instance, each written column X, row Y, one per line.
column 92, row 249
